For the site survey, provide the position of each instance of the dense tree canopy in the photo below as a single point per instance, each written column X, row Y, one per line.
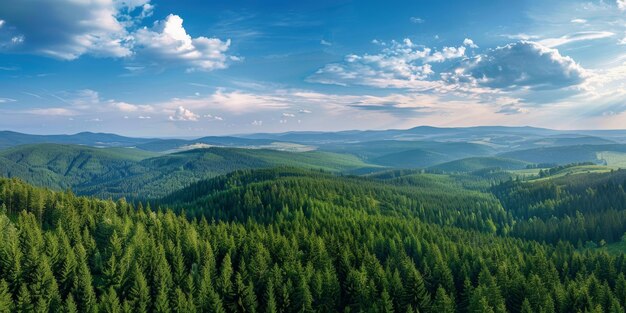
column 287, row 240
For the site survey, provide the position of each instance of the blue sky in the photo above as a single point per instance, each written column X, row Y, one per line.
column 193, row 68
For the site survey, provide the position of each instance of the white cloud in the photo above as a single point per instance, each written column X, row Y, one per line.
column 470, row 43
column 304, row 111
column 214, row 117
column 399, row 65
column 417, row 20
column 445, row 54
column 6, row 100
column 289, row 115
column 168, row 41
column 85, row 98
column 127, row 107
column 67, row 29
column 257, row 123
column 183, row 114
column 236, row 101
column 325, row 43
column 521, row 36
column 580, row 36
column 2, row 23
column 17, row 40
column 52, row 112
column 144, row 117
column 511, row 109
column 519, row 65
column 579, row 21
column 621, row 4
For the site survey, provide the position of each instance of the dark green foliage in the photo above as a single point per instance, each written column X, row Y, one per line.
column 290, row 240
column 581, row 208
column 117, row 172
column 480, row 163
column 564, row 154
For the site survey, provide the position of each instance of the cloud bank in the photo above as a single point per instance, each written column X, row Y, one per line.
column 69, row 29
column 522, row 64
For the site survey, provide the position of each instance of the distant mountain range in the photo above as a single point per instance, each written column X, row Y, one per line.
column 112, row 165
column 499, row 137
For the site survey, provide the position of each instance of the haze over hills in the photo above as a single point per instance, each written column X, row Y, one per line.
column 497, row 136
column 112, row 165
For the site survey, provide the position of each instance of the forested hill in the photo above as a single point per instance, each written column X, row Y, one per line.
column 117, row 172
column 584, row 208
column 262, row 195
column 309, row 241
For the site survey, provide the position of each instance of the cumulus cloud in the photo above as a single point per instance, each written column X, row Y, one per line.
column 168, row 41
column 183, row 114
column 470, row 43
column 522, row 64
column 67, row 29
column 127, row 107
column 445, row 54
column 417, row 20
column 257, row 123
column 621, row 4
column 399, row 64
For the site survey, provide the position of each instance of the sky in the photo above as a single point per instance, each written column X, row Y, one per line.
column 197, row 67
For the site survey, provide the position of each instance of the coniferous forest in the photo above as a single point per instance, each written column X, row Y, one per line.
column 297, row 240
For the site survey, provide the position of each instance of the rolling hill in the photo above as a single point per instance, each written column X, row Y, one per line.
column 11, row 139
column 479, row 163
column 131, row 172
column 564, row 154
column 68, row 166
column 410, row 154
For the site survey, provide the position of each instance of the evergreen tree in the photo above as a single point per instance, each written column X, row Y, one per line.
column 415, row 293
column 443, row 303
column 70, row 305
column 109, row 302
column 6, row 303
column 139, row 292
column 386, row 305
column 270, row 299
column 24, row 301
